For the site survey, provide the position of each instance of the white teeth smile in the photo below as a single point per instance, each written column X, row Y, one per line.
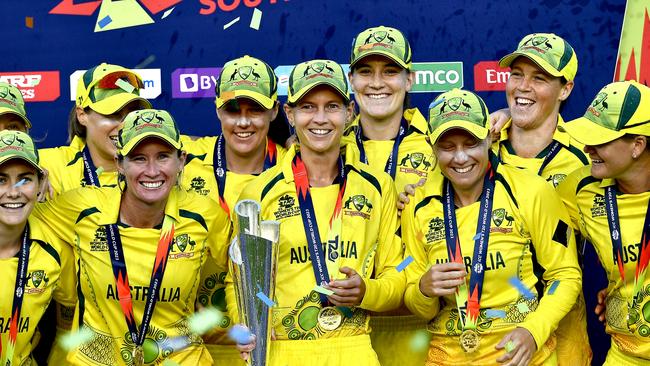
column 152, row 184
column 524, row 101
column 243, row 134
column 596, row 161
column 462, row 170
column 12, row 205
column 319, row 132
column 377, row 96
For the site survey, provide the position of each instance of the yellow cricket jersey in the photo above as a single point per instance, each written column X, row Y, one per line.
column 569, row 158
column 530, row 239
column 50, row 273
column 369, row 243
column 414, row 158
column 584, row 197
column 79, row 217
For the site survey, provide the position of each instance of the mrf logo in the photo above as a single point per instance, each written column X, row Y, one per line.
column 179, row 245
column 357, row 205
column 498, row 216
column 34, row 281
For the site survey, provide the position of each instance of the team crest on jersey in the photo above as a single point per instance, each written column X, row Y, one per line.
column 198, row 185
column 556, row 179
column 180, row 245
column 286, row 207
column 99, row 242
column 34, row 281
column 598, row 209
column 415, row 163
column 436, row 230
column 498, row 217
column 358, row 205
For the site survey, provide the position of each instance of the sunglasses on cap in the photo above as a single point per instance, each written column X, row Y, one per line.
column 111, row 81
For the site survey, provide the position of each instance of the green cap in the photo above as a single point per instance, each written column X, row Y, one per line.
column 144, row 123
column 549, row 51
column 384, row 41
column 458, row 109
column 247, row 77
column 307, row 75
column 108, row 88
column 18, row 145
column 619, row 108
column 11, row 101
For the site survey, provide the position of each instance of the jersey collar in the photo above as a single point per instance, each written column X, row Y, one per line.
column 562, row 137
column 413, row 117
column 111, row 209
column 350, row 157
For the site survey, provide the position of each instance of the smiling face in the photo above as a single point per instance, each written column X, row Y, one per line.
column 151, row 170
column 245, row 125
column 463, row 159
column 319, row 118
column 17, row 202
column 380, row 87
column 101, row 130
column 613, row 159
column 533, row 96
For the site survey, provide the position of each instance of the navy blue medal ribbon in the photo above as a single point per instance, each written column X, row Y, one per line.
column 90, row 172
column 391, row 163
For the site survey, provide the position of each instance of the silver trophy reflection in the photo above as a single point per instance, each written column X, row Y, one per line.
column 253, row 259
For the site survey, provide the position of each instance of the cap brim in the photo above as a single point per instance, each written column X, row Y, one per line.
column 477, row 131
column 507, row 60
column 126, row 149
column 11, row 157
column 4, row 110
column 262, row 100
column 114, row 103
column 293, row 98
column 381, row 53
column 589, row 133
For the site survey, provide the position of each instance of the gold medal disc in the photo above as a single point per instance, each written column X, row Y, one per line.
column 469, row 340
column 138, row 356
column 329, row 318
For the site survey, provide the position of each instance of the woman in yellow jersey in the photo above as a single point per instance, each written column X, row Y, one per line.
column 105, row 94
column 120, row 233
column 220, row 167
column 347, row 210
column 34, row 264
column 608, row 203
column 471, row 232
column 12, row 109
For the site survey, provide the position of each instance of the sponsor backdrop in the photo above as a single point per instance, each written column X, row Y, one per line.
column 181, row 45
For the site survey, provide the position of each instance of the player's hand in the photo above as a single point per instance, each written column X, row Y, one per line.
column 524, row 348
column 46, row 191
column 442, row 279
column 498, row 119
column 601, row 305
column 409, row 190
column 349, row 291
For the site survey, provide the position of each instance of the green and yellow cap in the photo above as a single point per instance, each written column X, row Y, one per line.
column 144, row 123
column 620, row 108
column 549, row 51
column 307, row 75
column 458, row 109
column 18, row 145
column 107, row 88
column 247, row 77
column 11, row 101
column 384, row 41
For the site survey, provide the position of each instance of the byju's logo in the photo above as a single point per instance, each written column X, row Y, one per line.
column 195, row 83
column 150, row 78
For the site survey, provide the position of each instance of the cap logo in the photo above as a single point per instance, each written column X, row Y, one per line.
column 4, row 93
column 9, row 140
column 535, row 42
column 244, row 72
column 377, row 39
column 147, row 118
column 317, row 68
column 599, row 104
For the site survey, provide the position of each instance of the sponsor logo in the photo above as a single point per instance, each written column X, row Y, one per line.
column 489, row 76
column 286, row 208
column 99, row 242
column 150, row 78
column 436, row 230
column 357, row 205
column 598, row 208
column 195, row 82
column 35, row 86
column 498, row 216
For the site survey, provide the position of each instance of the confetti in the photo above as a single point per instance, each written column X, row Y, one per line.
column 323, row 290
column 240, row 334
column 256, row 19
column 514, row 281
column 124, row 85
column 20, row 183
column 405, row 262
column 99, row 170
column 231, row 23
column 145, row 62
column 29, row 22
column 265, row 299
column 553, row 287
column 203, row 321
column 510, row 346
column 436, row 102
column 166, row 13
column 523, row 308
column 73, row 340
column 104, row 21
column 491, row 313
column 476, row 237
column 420, row 340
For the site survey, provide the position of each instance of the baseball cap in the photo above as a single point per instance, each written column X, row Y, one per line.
column 11, row 101
column 144, row 123
column 384, row 41
column 549, row 51
column 307, row 75
column 247, row 77
column 620, row 108
column 458, row 109
column 18, row 145
column 107, row 88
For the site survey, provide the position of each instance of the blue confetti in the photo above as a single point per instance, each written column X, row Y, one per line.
column 20, row 183
column 405, row 262
column 104, row 21
column 492, row 313
column 476, row 237
column 240, row 334
column 514, row 281
column 265, row 299
column 436, row 102
column 553, row 287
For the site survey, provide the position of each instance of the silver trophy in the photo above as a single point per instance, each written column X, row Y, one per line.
column 253, row 260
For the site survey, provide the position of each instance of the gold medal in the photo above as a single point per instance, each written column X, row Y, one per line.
column 469, row 340
column 330, row 318
column 138, row 356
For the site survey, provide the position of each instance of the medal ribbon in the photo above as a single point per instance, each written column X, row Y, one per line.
column 617, row 243
column 19, row 293
column 309, row 222
column 122, row 280
column 90, row 172
column 473, row 295
column 555, row 148
column 220, row 166
column 391, row 165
